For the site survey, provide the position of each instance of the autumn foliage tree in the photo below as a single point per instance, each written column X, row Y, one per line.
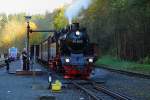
column 13, row 30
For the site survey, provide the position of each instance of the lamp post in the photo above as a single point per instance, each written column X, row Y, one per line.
column 28, row 18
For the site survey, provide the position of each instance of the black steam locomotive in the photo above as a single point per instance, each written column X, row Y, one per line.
column 68, row 51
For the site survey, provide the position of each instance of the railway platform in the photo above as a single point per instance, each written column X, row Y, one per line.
column 22, row 87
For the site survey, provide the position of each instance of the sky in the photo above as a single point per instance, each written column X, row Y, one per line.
column 30, row 7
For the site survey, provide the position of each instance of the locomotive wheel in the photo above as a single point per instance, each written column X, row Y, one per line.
column 59, row 69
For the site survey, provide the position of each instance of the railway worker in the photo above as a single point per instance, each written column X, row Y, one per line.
column 21, row 61
column 50, row 80
column 7, row 64
column 24, row 59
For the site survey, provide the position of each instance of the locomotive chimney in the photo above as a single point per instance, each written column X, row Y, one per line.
column 70, row 27
column 76, row 26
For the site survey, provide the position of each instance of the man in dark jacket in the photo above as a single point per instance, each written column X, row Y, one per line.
column 24, row 58
column 7, row 64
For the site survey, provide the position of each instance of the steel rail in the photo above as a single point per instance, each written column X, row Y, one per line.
column 87, row 91
column 111, row 93
column 128, row 73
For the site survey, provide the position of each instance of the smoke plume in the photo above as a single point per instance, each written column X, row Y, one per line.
column 74, row 9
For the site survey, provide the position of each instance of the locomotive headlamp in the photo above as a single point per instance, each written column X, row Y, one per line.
column 91, row 60
column 77, row 33
column 67, row 60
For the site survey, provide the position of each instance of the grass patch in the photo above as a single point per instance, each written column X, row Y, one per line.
column 115, row 63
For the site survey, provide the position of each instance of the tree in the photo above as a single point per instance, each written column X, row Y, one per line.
column 60, row 20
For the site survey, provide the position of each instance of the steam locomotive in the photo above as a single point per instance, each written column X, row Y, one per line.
column 68, row 51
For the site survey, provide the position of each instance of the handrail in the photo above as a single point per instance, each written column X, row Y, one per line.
column 2, row 60
column 2, row 63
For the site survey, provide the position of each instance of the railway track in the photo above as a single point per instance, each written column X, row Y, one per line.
column 99, row 92
column 134, row 74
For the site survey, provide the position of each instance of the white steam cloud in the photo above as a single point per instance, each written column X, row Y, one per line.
column 74, row 9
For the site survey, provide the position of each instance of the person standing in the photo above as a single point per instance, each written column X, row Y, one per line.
column 21, row 61
column 7, row 64
column 24, row 58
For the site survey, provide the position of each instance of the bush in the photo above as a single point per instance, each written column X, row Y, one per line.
column 146, row 60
